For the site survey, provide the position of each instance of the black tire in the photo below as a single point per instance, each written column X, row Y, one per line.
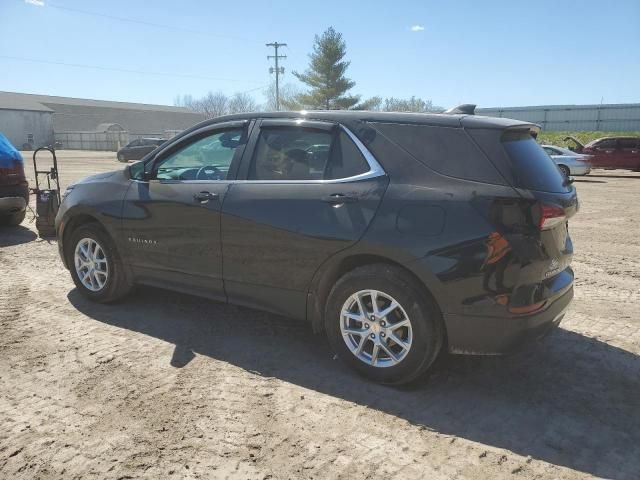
column 565, row 171
column 13, row 219
column 424, row 315
column 121, row 158
column 117, row 284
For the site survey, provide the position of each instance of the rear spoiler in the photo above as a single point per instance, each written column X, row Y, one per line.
column 464, row 109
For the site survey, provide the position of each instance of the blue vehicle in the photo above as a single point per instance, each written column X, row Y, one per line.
column 14, row 189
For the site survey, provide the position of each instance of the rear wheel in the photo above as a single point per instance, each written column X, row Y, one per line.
column 95, row 265
column 13, row 219
column 380, row 322
column 565, row 170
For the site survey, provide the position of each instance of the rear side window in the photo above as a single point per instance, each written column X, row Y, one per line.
column 303, row 154
column 628, row 143
column 533, row 169
column 446, row 150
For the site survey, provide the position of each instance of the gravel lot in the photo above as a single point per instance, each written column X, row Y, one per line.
column 166, row 385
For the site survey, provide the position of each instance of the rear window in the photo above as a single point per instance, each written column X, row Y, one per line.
column 446, row 150
column 533, row 169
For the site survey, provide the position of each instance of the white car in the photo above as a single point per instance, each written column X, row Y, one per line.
column 570, row 163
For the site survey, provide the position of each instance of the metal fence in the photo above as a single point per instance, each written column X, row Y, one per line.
column 106, row 141
column 605, row 117
column 110, row 141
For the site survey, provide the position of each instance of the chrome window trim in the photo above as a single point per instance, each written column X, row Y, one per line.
column 375, row 170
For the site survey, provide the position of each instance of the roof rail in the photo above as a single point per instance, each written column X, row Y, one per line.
column 464, row 109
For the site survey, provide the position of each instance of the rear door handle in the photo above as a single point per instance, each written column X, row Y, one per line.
column 204, row 197
column 339, row 199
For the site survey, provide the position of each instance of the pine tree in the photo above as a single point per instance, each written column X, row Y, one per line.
column 325, row 75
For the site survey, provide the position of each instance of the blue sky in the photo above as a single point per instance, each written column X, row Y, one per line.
column 492, row 53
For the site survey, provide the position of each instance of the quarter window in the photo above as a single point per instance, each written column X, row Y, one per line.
column 207, row 158
column 446, row 150
column 305, row 154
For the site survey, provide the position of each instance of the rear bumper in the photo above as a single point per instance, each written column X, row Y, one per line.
column 580, row 169
column 12, row 204
column 478, row 335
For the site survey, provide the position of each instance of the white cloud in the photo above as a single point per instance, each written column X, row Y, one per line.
column 39, row 3
column 415, row 28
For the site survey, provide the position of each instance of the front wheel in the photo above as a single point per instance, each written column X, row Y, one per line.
column 380, row 322
column 95, row 265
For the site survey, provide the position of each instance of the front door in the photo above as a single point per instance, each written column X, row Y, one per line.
column 606, row 154
column 305, row 191
column 171, row 219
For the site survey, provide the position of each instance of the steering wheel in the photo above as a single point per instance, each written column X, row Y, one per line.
column 207, row 172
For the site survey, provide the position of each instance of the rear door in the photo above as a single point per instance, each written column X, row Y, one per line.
column 306, row 190
column 171, row 220
column 133, row 151
column 148, row 146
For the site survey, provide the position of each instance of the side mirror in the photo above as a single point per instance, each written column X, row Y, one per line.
column 137, row 172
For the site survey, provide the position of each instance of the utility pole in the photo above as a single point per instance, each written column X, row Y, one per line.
column 278, row 70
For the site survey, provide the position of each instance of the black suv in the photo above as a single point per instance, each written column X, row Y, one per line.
column 399, row 235
column 138, row 148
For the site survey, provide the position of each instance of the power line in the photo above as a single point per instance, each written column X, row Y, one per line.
column 148, row 24
column 278, row 70
column 125, row 70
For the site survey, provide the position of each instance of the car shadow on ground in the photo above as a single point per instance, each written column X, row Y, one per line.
column 635, row 177
column 16, row 235
column 584, row 180
column 569, row 400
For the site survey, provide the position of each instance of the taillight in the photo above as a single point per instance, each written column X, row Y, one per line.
column 551, row 216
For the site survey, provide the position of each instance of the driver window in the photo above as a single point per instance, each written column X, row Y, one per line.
column 207, row 158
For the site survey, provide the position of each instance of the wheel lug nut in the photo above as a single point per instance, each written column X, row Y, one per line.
column 382, row 323
column 373, row 335
column 366, row 325
column 373, row 317
column 382, row 335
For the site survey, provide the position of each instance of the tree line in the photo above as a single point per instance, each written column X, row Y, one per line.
column 328, row 88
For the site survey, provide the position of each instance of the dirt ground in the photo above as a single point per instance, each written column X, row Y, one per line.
column 164, row 385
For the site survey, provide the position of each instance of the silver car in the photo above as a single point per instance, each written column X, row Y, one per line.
column 570, row 163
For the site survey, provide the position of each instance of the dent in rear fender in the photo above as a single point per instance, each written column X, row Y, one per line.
column 487, row 267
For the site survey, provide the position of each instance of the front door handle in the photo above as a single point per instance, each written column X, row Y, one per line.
column 338, row 199
column 204, row 197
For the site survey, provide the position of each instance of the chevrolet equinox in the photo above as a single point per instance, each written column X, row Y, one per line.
column 399, row 235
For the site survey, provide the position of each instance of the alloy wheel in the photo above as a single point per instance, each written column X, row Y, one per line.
column 91, row 264
column 376, row 328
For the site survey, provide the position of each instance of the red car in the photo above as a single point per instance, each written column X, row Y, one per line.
column 612, row 152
